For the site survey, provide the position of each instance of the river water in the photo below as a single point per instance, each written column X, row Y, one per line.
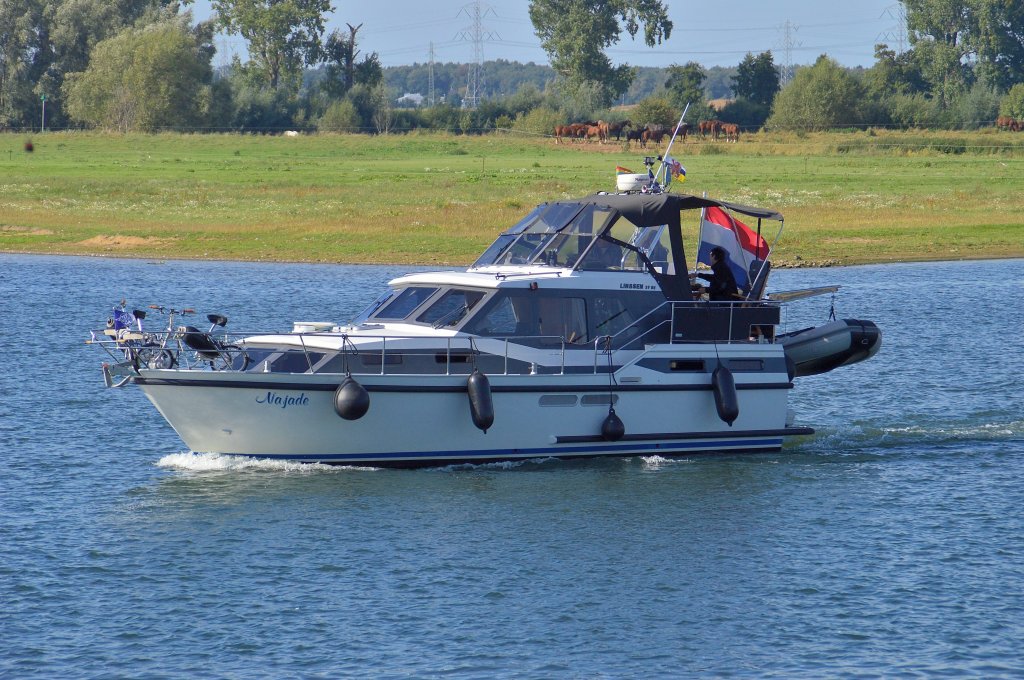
column 891, row 543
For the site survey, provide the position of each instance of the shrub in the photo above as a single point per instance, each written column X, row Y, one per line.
column 340, row 117
column 540, row 121
column 655, row 111
column 914, row 111
column 821, row 97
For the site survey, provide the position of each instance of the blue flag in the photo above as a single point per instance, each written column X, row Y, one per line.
column 122, row 318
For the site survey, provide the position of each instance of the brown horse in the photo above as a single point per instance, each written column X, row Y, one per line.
column 731, row 132
column 652, row 133
column 1009, row 123
column 594, row 132
column 709, row 127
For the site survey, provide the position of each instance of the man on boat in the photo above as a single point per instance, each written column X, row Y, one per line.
column 721, row 282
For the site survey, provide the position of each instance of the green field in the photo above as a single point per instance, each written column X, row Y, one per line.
column 432, row 198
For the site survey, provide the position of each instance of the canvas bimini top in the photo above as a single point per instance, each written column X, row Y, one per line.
column 603, row 232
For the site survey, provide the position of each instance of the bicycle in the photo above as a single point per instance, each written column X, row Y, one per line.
column 219, row 355
column 157, row 354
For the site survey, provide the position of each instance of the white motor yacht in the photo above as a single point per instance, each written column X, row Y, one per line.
column 577, row 333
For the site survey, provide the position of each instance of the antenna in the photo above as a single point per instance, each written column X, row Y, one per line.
column 477, row 35
column 788, row 44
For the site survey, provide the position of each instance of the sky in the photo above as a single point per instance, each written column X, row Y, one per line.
column 715, row 33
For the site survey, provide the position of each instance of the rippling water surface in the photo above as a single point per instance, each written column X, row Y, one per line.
column 890, row 543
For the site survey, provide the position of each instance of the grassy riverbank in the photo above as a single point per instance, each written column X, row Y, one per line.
column 431, row 198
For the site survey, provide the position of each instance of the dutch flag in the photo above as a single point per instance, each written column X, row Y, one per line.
column 743, row 245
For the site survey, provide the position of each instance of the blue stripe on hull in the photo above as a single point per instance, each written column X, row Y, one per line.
column 429, row 458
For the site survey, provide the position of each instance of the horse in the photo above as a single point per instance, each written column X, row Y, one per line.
column 617, row 128
column 637, row 134
column 1009, row 123
column 731, row 132
column 562, row 131
column 682, row 130
column 577, row 131
column 652, row 133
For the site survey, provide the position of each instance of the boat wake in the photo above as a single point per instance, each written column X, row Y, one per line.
column 858, row 438
column 213, row 462
column 498, row 465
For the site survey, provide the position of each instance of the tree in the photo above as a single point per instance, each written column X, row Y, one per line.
column 575, row 34
column 21, row 59
column 342, row 70
column 1000, row 42
column 145, row 79
column 757, row 79
column 893, row 74
column 685, row 84
column 42, row 41
column 283, row 35
column 950, row 36
column 818, row 98
column 1012, row 104
column 655, row 111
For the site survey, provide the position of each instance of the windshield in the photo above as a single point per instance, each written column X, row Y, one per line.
column 403, row 305
column 374, row 306
column 451, row 307
column 522, row 243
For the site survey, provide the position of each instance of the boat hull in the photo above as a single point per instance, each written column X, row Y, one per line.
column 428, row 420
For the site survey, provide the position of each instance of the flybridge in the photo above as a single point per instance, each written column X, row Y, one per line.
column 638, row 233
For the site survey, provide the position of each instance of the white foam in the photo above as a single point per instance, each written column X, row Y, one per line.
column 215, row 462
column 656, row 462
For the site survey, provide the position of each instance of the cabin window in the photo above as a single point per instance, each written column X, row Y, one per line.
column 407, row 301
column 603, row 256
column 599, row 399
column 654, row 243
column 450, row 309
column 508, row 237
column 565, row 318
column 504, row 317
column 290, row 361
column 692, row 365
column 611, row 315
column 564, row 249
column 558, row 399
column 533, row 241
column 377, row 304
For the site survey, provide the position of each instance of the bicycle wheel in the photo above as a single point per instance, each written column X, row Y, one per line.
column 230, row 358
column 153, row 357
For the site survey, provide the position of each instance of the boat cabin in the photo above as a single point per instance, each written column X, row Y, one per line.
column 607, row 267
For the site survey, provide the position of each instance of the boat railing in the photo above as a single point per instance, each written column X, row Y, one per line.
column 458, row 356
column 670, row 322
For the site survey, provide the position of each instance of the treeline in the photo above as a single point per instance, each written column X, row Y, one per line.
column 146, row 65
